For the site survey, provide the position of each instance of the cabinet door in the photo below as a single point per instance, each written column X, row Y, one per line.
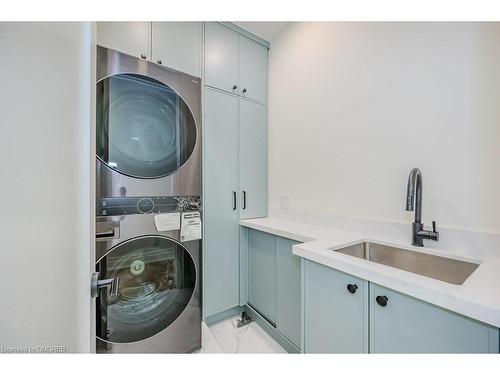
column 221, row 247
column 409, row 325
column 335, row 319
column 221, row 57
column 253, row 70
column 177, row 45
column 253, row 159
column 132, row 38
column 262, row 273
column 288, row 290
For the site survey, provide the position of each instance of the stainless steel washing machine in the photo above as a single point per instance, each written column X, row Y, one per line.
column 148, row 128
column 156, row 305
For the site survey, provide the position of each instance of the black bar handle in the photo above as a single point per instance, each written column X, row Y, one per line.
column 234, row 200
column 105, row 234
column 244, row 199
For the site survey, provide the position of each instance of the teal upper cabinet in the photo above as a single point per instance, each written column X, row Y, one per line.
column 335, row 311
column 178, row 45
column 403, row 324
column 221, row 57
column 234, row 63
column 221, row 243
column 288, row 290
column 252, row 159
column 132, row 38
column 253, row 70
column 262, row 273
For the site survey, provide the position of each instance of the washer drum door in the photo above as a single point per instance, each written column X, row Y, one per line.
column 144, row 128
column 157, row 281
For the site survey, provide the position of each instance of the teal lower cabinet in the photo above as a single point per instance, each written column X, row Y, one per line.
column 403, row 324
column 345, row 314
column 339, row 308
column 288, row 290
column 262, row 273
column 335, row 311
column 274, row 283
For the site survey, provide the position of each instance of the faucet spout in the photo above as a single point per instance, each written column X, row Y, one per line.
column 414, row 202
column 414, row 194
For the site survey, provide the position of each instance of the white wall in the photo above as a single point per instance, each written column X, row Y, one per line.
column 46, row 220
column 354, row 106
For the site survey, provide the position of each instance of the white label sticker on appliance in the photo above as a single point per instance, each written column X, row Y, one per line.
column 170, row 221
column 190, row 226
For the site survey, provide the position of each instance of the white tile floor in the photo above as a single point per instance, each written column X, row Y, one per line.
column 226, row 337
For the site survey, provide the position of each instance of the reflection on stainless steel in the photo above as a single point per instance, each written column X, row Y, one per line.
column 153, row 137
column 445, row 269
column 187, row 179
column 157, row 281
column 144, row 129
column 157, row 308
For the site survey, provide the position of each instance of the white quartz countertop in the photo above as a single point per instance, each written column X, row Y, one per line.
column 478, row 297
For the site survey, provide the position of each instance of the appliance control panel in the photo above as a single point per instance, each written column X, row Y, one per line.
column 146, row 205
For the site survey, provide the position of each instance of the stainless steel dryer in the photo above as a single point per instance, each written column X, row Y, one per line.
column 156, row 306
column 148, row 129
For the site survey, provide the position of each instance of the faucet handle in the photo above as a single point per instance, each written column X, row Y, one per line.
column 433, row 226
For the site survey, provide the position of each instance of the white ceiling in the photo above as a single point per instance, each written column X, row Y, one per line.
column 265, row 30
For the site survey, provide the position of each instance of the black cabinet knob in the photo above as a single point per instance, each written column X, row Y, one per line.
column 244, row 91
column 143, row 56
column 382, row 300
column 352, row 288
column 235, row 87
column 158, row 61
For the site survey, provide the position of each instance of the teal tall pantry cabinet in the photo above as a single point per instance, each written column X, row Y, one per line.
column 235, row 155
column 220, row 211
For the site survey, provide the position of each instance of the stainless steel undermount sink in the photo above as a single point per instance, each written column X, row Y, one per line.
column 445, row 269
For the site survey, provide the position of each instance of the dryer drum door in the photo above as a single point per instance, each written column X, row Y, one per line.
column 144, row 128
column 157, row 280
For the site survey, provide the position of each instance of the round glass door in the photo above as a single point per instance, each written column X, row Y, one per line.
column 144, row 129
column 157, row 279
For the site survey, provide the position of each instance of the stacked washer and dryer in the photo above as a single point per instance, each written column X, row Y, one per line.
column 148, row 146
